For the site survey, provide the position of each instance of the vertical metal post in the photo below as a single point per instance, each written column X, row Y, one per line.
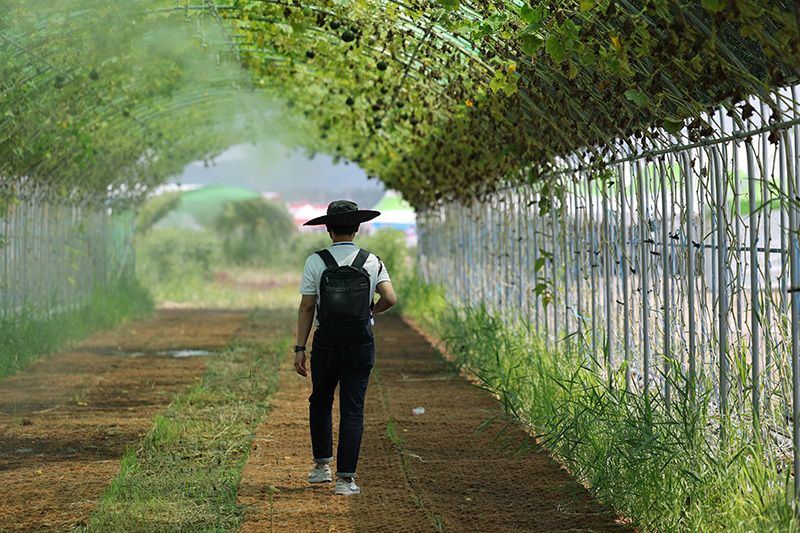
column 754, row 293
column 593, row 267
column 526, row 216
column 569, row 257
column 578, row 262
column 722, row 304
column 554, row 265
column 536, row 255
column 784, row 239
column 522, row 274
column 766, row 334
column 688, row 180
column 625, row 239
column 794, row 227
column 607, row 288
column 643, row 275
column 736, row 284
column 716, row 222
column 667, row 283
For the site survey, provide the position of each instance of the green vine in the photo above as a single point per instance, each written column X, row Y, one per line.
column 441, row 100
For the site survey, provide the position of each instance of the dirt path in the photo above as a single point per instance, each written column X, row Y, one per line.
column 435, row 473
column 65, row 422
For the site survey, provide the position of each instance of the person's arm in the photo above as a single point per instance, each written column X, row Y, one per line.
column 305, row 318
column 387, row 297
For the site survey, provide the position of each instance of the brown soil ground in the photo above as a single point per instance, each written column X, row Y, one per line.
column 440, row 474
column 66, row 421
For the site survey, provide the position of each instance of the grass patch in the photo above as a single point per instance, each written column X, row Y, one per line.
column 33, row 334
column 233, row 288
column 662, row 468
column 185, row 474
column 185, row 267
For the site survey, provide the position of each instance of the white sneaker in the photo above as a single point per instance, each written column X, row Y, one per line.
column 320, row 474
column 345, row 487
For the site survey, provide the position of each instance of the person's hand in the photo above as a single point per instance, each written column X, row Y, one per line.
column 300, row 363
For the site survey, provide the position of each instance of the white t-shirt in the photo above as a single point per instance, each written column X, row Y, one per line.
column 344, row 253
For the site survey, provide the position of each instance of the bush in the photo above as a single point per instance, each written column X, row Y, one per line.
column 300, row 246
column 255, row 231
column 391, row 247
column 31, row 335
column 170, row 254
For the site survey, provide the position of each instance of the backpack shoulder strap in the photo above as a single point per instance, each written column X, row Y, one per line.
column 326, row 256
column 361, row 258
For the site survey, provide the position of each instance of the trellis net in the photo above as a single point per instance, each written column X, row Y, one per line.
column 676, row 269
column 53, row 256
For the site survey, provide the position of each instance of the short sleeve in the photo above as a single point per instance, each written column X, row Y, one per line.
column 383, row 274
column 309, row 283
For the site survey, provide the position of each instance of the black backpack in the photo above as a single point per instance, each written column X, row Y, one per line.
column 345, row 302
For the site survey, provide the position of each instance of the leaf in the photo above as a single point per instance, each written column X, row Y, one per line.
column 673, row 125
column 713, row 6
column 588, row 57
column 528, row 14
column 555, row 48
column 299, row 27
column 537, row 266
column 531, row 28
column 531, row 43
column 588, row 5
column 450, row 5
column 636, row 96
column 510, row 87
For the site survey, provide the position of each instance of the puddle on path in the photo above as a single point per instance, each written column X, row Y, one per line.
column 171, row 353
column 187, row 353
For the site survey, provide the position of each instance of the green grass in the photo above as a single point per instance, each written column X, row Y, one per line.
column 662, row 468
column 33, row 334
column 236, row 287
column 186, row 267
column 185, row 473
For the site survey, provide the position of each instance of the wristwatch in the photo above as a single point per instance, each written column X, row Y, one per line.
column 299, row 348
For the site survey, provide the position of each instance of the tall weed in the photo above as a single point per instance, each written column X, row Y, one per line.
column 661, row 466
column 34, row 333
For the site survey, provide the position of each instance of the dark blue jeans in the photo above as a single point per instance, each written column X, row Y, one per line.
column 349, row 367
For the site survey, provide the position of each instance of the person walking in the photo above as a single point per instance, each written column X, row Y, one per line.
column 337, row 295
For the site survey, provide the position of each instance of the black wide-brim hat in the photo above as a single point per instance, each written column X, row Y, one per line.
column 343, row 213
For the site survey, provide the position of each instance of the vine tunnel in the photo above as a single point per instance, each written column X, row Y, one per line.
column 102, row 100
column 485, row 116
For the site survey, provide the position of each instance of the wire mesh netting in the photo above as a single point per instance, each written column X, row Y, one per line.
column 675, row 269
column 52, row 257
